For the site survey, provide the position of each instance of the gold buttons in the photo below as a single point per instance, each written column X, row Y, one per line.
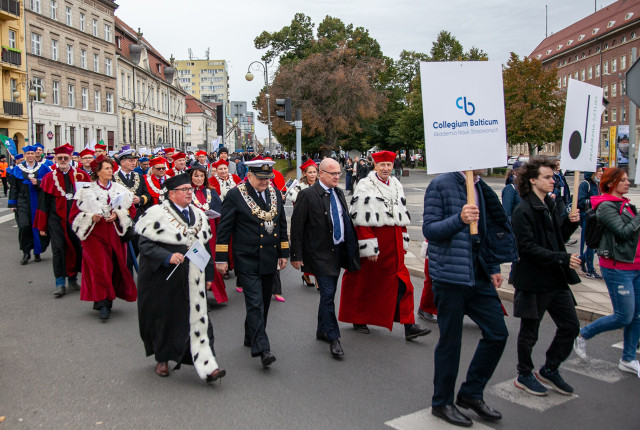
column 260, row 246
column 275, row 234
column 262, row 235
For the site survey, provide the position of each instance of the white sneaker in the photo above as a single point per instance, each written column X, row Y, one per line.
column 630, row 366
column 580, row 347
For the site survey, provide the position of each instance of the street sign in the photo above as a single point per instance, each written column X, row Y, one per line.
column 633, row 83
column 50, row 135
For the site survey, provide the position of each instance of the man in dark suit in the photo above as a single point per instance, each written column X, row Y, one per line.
column 132, row 180
column 323, row 236
column 253, row 216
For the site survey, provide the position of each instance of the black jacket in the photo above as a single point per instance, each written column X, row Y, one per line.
column 141, row 191
column 312, row 234
column 255, row 250
column 540, row 236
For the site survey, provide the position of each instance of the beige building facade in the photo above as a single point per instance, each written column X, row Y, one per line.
column 206, row 80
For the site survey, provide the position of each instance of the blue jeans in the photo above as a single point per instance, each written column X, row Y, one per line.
column 61, row 281
column 587, row 254
column 624, row 290
column 327, row 322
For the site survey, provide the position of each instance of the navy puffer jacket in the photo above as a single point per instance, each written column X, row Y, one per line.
column 450, row 252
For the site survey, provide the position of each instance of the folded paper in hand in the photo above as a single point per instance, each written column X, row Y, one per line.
column 198, row 255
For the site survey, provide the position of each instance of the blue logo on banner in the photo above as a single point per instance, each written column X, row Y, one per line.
column 467, row 106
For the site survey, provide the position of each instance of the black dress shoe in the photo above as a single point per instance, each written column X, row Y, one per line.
column 267, row 358
column 361, row 328
column 25, row 259
column 215, row 375
column 452, row 415
column 479, row 407
column 105, row 312
column 37, row 258
column 322, row 336
column 336, row 349
column 414, row 330
column 429, row 317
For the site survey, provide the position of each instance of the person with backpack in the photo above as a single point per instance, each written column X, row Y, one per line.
column 542, row 277
column 620, row 265
column 588, row 188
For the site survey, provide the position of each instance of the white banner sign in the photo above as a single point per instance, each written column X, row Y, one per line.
column 463, row 108
column 581, row 134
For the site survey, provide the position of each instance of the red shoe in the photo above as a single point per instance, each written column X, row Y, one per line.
column 238, row 289
column 279, row 298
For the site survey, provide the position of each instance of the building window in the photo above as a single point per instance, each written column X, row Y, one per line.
column 70, row 55
column 623, row 87
column 96, row 63
column 590, row 73
column 72, row 136
column 85, row 136
column 95, row 27
column 35, row 6
column 110, row 102
column 81, row 21
column 614, row 65
column 69, row 17
column 107, row 33
column 55, row 89
column 83, row 58
column 605, row 68
column 122, row 83
column 606, row 115
column 623, row 62
column 54, row 50
column 605, row 91
column 597, row 70
column 107, row 66
column 124, row 130
column 54, row 9
column 39, row 87
column 582, row 75
column 614, row 115
column 84, row 95
column 71, row 94
column 614, row 90
column 36, row 44
column 575, row 76
column 58, row 135
column 559, row 82
column 12, row 39
column 13, row 88
column 96, row 100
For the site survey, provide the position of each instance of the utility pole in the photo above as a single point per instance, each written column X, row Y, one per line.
column 632, row 126
column 298, row 124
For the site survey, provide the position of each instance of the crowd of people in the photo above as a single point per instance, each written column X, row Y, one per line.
column 183, row 223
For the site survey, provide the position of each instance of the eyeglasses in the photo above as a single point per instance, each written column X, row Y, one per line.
column 334, row 174
column 63, row 158
column 160, row 168
column 186, row 190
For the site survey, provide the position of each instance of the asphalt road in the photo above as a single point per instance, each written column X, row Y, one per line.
column 61, row 368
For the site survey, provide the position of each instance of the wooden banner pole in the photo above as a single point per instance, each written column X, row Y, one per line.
column 471, row 198
column 576, row 185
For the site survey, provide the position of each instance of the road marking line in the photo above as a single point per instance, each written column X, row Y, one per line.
column 510, row 392
column 594, row 368
column 424, row 420
column 7, row 218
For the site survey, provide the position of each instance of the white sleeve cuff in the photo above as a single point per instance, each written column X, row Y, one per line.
column 405, row 241
column 368, row 247
column 424, row 252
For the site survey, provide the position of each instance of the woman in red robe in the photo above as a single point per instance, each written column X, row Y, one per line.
column 100, row 216
column 205, row 199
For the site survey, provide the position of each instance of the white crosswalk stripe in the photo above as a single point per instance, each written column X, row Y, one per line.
column 6, row 218
column 594, row 368
column 424, row 420
column 508, row 391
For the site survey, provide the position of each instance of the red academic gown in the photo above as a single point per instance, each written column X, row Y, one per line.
column 213, row 181
column 278, row 181
column 369, row 296
column 104, row 263
column 42, row 217
column 218, row 287
column 153, row 181
column 172, row 172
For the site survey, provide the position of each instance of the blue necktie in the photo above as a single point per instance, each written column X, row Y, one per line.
column 185, row 212
column 337, row 232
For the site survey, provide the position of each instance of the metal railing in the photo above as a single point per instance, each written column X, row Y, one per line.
column 12, row 57
column 11, row 6
column 12, row 108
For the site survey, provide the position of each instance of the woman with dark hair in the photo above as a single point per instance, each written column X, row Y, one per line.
column 101, row 214
column 620, row 265
column 207, row 200
column 349, row 172
column 588, row 188
column 309, row 176
column 510, row 196
column 542, row 276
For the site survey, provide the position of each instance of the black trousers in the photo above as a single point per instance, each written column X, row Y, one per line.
column 257, row 298
column 5, row 186
column 59, row 250
column 277, row 284
column 25, row 239
column 560, row 306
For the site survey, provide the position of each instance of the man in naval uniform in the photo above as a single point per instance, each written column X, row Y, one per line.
column 253, row 217
column 132, row 180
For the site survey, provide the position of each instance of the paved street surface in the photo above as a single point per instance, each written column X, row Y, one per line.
column 61, row 368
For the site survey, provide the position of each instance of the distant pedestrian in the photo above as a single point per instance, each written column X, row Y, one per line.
column 542, row 277
column 588, row 188
column 3, row 173
column 349, row 171
column 619, row 253
column 397, row 167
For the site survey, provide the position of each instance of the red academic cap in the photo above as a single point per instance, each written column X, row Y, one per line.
column 103, row 147
column 158, row 160
column 307, row 164
column 86, row 151
column 64, row 149
column 382, row 156
column 219, row 163
column 199, row 153
column 169, row 150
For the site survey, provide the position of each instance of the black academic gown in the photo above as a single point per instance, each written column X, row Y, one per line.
column 163, row 306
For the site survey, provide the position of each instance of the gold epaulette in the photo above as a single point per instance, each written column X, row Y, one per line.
column 284, row 245
column 222, row 248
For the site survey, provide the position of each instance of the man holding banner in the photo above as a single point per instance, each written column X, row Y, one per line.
column 172, row 301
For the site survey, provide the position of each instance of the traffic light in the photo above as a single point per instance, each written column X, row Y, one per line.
column 286, row 113
column 219, row 121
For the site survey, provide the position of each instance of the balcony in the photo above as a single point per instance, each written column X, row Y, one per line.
column 9, row 10
column 12, row 108
column 12, row 56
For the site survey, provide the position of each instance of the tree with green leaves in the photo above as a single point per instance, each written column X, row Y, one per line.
column 533, row 107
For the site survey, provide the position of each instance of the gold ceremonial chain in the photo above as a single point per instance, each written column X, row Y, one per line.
column 189, row 232
column 204, row 207
column 388, row 203
column 136, row 182
column 267, row 217
column 63, row 193
column 155, row 189
column 30, row 172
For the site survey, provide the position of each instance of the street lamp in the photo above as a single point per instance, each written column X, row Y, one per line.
column 249, row 77
column 33, row 94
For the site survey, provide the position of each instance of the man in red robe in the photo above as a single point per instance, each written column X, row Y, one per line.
column 201, row 156
column 86, row 157
column 52, row 218
column 380, row 293
column 168, row 153
column 179, row 164
column 100, row 149
column 155, row 179
column 221, row 180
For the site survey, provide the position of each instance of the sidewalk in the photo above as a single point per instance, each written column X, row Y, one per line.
column 591, row 294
